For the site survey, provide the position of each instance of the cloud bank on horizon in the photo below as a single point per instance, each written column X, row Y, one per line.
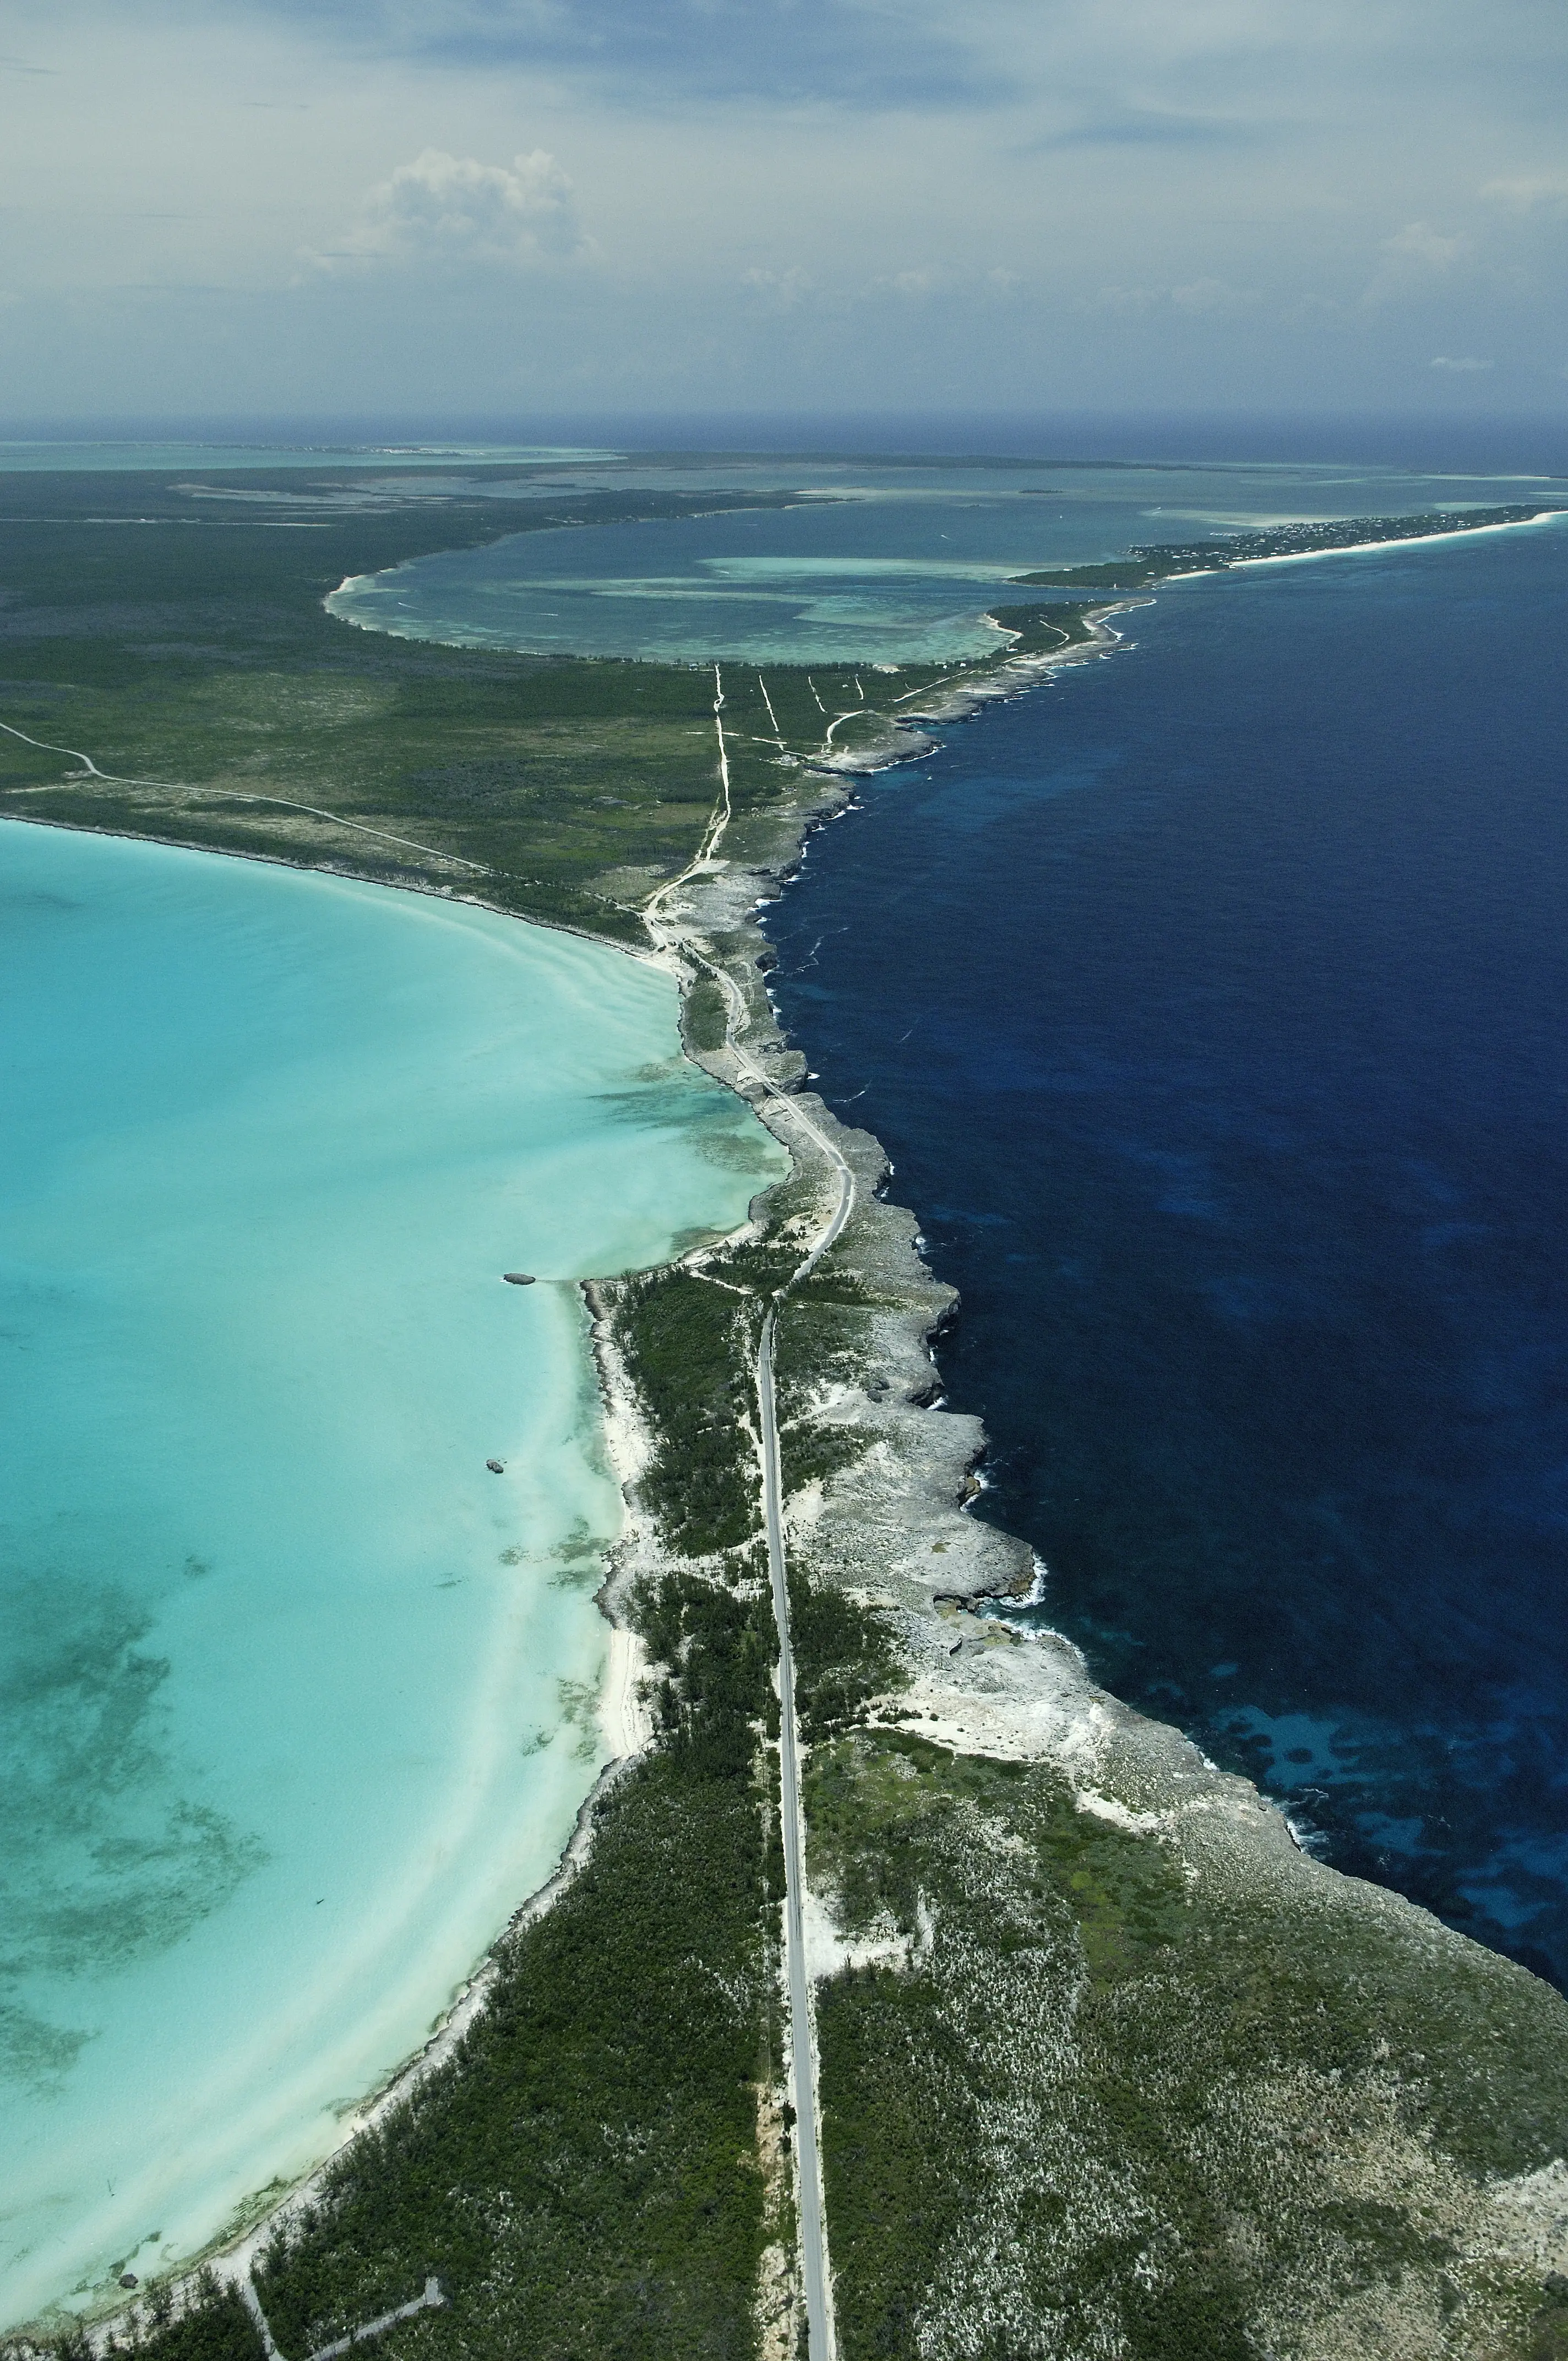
column 487, row 206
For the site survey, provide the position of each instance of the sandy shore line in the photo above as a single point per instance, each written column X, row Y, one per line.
column 1366, row 548
column 627, row 1725
column 230, row 2260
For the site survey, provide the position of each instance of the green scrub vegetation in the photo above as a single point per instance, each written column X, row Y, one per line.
column 171, row 629
column 1089, row 2108
column 705, row 1015
column 846, row 1656
column 689, row 1341
column 825, row 1338
column 216, row 2326
column 1045, row 631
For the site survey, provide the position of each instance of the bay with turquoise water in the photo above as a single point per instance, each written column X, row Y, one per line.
column 896, row 562
column 299, row 1700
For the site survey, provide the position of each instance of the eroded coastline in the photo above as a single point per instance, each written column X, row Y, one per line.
column 1408, row 2005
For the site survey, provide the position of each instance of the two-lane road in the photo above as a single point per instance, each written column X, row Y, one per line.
column 813, row 2230
column 820, row 2342
column 803, row 2044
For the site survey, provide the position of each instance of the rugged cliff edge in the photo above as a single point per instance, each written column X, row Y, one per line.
column 1108, row 2064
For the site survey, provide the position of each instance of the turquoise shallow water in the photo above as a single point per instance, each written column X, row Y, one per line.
column 299, row 1698
column 874, row 563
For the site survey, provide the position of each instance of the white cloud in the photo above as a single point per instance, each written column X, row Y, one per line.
column 1532, row 192
column 1411, row 260
column 786, row 287
column 206, row 147
column 1199, row 298
column 455, row 209
column 1208, row 295
column 1122, row 299
column 1461, row 364
column 1419, row 246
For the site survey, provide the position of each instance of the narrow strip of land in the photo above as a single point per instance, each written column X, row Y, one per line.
column 803, row 2041
column 820, row 2342
column 803, row 2029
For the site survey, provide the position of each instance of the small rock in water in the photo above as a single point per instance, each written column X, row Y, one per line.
column 130, row 2279
column 518, row 1277
column 497, row 1466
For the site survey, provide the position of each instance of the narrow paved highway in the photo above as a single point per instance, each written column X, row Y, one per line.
column 820, row 2342
column 803, row 2042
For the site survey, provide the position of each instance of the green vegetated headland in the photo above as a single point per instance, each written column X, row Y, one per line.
column 1101, row 2106
column 1092, row 2085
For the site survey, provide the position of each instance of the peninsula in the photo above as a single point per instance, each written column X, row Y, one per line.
column 904, row 1994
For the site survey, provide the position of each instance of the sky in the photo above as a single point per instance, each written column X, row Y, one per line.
column 444, row 208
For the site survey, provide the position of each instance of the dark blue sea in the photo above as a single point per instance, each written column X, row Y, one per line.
column 1212, row 1003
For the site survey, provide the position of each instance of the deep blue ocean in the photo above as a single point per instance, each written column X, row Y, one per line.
column 1212, row 1003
